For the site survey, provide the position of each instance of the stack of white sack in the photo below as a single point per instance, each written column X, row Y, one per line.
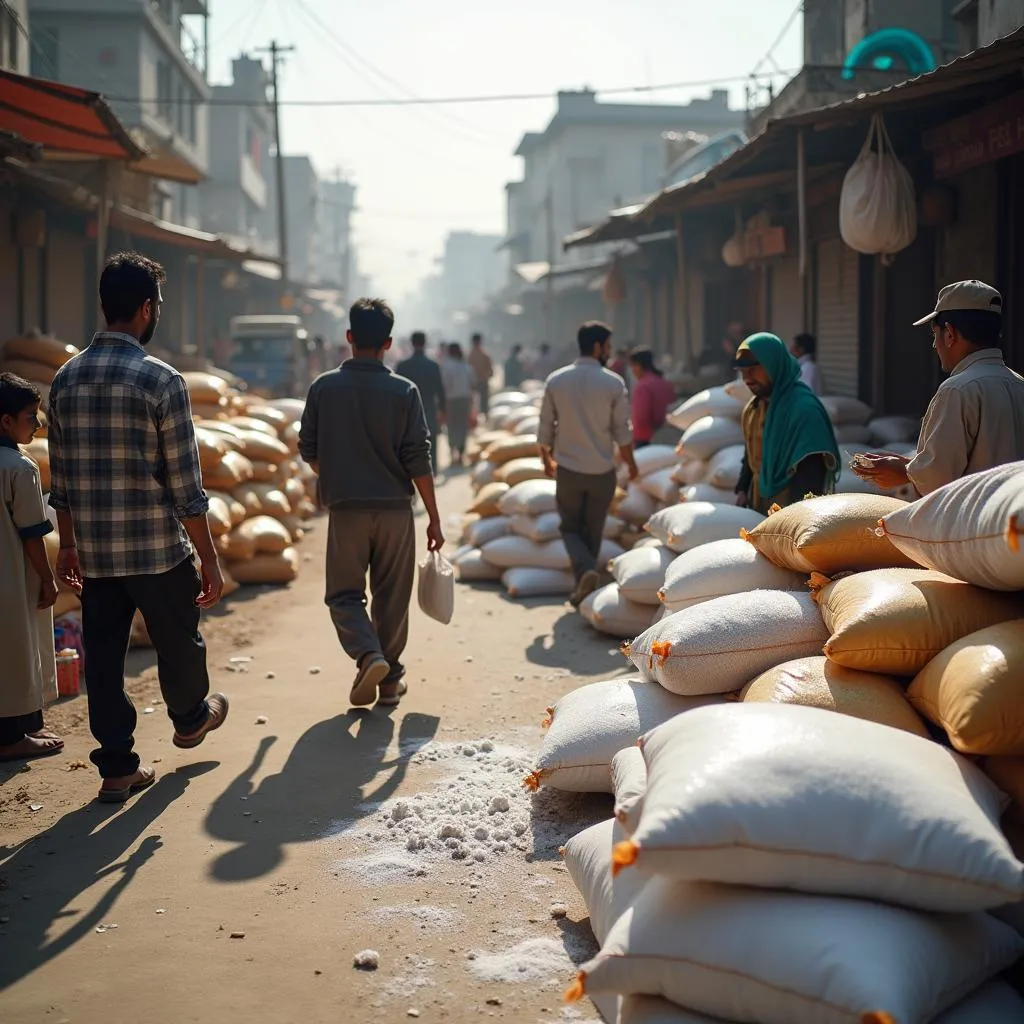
column 792, row 885
column 710, row 453
column 637, row 500
column 630, row 604
column 958, row 624
column 517, row 539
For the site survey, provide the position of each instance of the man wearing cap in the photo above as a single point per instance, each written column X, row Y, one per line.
column 791, row 447
column 975, row 421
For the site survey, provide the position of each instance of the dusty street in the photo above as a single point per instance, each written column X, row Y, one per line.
column 240, row 887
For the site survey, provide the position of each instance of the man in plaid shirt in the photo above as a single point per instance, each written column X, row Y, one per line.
column 130, row 505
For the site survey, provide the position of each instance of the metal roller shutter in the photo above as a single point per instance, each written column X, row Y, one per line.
column 836, row 317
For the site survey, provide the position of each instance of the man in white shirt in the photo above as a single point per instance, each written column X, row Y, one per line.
column 584, row 417
column 805, row 349
column 975, row 421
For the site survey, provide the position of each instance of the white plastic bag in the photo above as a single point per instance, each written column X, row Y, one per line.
column 436, row 590
column 877, row 207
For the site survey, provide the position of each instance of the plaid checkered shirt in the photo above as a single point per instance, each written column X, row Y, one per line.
column 123, row 458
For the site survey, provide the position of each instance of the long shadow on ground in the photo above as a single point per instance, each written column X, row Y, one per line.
column 333, row 772
column 46, row 876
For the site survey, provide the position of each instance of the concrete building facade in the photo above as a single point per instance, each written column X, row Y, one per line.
column 236, row 196
column 593, row 157
column 148, row 58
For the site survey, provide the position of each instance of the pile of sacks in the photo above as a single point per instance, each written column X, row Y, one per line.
column 35, row 357
column 511, row 531
column 684, row 499
column 845, row 855
column 261, row 494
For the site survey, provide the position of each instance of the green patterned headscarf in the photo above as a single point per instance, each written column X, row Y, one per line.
column 796, row 424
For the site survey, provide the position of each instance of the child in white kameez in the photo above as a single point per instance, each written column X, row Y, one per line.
column 28, row 589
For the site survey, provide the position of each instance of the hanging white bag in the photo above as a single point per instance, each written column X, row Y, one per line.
column 436, row 589
column 877, row 206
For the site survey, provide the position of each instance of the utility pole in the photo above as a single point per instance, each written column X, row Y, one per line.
column 276, row 56
column 549, row 296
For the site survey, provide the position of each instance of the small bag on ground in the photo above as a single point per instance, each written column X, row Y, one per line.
column 436, row 589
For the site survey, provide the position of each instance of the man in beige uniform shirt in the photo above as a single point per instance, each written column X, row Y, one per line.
column 583, row 419
column 976, row 419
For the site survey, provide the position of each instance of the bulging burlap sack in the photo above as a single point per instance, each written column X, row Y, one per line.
column 894, row 621
column 831, row 534
column 820, row 683
column 973, row 691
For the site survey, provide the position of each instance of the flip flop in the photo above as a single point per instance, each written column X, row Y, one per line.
column 219, row 707
column 120, row 795
column 393, row 700
column 36, row 755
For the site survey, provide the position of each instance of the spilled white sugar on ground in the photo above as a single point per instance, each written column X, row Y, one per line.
column 477, row 812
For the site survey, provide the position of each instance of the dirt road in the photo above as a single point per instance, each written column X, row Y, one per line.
column 240, row 886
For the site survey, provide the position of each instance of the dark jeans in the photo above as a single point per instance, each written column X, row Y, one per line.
column 583, row 501
column 382, row 544
column 484, row 393
column 17, row 727
column 168, row 604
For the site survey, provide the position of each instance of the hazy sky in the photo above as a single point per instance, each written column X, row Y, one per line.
column 423, row 171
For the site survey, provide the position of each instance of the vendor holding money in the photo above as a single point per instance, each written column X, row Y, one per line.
column 976, row 419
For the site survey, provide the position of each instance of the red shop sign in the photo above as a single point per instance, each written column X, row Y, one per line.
column 988, row 134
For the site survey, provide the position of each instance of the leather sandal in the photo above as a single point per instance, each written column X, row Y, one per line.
column 143, row 779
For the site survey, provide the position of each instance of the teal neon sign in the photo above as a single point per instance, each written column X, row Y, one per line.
column 881, row 50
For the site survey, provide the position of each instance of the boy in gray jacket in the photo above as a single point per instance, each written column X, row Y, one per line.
column 365, row 434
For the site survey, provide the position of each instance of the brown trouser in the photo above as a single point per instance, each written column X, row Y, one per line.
column 382, row 544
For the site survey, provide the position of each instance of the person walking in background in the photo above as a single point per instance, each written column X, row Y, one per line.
column 584, row 417
column 426, row 375
column 459, row 384
column 483, row 367
column 545, row 363
column 365, row 434
column 975, row 421
column 515, row 372
column 805, row 349
column 127, row 489
column 620, row 365
column 27, row 587
column 791, row 448
column 652, row 397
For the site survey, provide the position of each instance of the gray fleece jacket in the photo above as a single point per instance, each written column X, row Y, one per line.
column 365, row 428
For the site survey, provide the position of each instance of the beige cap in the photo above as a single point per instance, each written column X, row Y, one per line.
column 964, row 295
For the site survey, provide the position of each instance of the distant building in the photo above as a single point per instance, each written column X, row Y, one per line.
column 471, row 271
column 236, row 197
column 149, row 60
column 14, row 48
column 591, row 158
column 335, row 256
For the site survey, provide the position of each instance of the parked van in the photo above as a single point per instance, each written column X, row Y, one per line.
column 271, row 354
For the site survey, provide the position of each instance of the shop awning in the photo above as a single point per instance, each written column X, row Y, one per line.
column 63, row 119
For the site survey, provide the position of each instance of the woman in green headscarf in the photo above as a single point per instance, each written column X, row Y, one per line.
column 791, row 447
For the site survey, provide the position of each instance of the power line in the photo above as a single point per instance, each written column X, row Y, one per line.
column 492, row 98
column 778, row 39
column 352, row 56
